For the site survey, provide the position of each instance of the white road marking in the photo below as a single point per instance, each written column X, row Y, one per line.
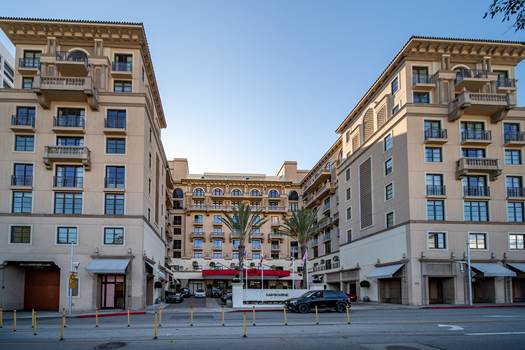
column 496, row 333
column 452, row 327
column 498, row 316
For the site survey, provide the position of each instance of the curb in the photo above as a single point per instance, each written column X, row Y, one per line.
column 124, row 313
column 447, row 307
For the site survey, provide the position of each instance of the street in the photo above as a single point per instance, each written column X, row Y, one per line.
column 494, row 328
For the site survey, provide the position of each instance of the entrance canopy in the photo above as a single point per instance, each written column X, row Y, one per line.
column 384, row 271
column 108, row 266
column 493, row 270
column 518, row 266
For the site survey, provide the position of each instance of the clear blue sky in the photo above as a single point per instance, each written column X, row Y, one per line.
column 248, row 84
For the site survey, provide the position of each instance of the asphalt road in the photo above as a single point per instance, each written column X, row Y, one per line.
column 501, row 328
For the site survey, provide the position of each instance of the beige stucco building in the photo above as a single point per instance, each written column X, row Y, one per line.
column 82, row 167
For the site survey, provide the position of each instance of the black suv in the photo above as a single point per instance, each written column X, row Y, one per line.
column 323, row 299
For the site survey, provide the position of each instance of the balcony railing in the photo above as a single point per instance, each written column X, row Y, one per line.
column 490, row 104
column 466, row 165
column 23, row 120
column 69, row 121
column 275, row 247
column 114, row 182
column 514, row 137
column 121, row 67
column 327, row 237
column 471, row 74
column 476, row 191
column 436, row 190
column 515, row 192
column 422, row 79
column 217, row 233
column 506, row 83
column 436, row 134
column 119, row 123
column 476, row 135
column 21, row 180
column 68, row 181
column 29, row 63
column 65, row 56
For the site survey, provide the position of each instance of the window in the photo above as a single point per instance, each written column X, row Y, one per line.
column 22, row 202
column 437, row 240
column 116, row 119
column 70, row 117
column 217, row 255
column 514, row 185
column 70, row 141
column 115, row 176
column 31, row 59
column 236, row 243
column 515, row 211
column 421, row 97
column 394, row 85
column 511, row 131
column 477, row 240
column 198, row 219
column 236, row 192
column 114, row 235
column 395, row 109
column 198, row 192
column 123, row 62
column 273, row 194
column 256, row 244
column 217, row 244
column 27, row 83
column 473, row 130
column 22, row 175
column 475, row 185
column 389, row 219
column 217, row 192
column 24, row 116
column 217, row 219
column 347, row 174
column 177, row 244
column 513, row 157
column 387, row 142
column 420, row 75
column 68, row 203
column 389, row 166
column 20, row 235
column 389, row 192
column 67, row 235
column 255, row 193
column 115, row 146
column 114, row 204
column 473, row 152
column 120, row 86
column 8, row 72
column 432, row 129
column 476, row 211
column 197, row 243
column 293, row 206
column 349, row 213
column 516, row 241
column 436, row 210
column 348, row 194
column 198, row 255
column 69, row 176
column 434, row 183
column 433, row 155
column 349, row 236
column 24, row 143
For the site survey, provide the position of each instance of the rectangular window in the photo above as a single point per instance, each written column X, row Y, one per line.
column 348, row 194
column 389, row 219
column 420, row 75
column 516, row 241
column 395, row 109
column 473, row 152
column 349, row 213
column 20, row 235
column 347, row 174
column 70, row 141
column 197, row 243
column 22, row 202
column 27, row 83
column 177, row 220
column 256, row 244
column 433, row 155
column 123, row 62
column 114, row 236
column 69, row 176
column 434, row 183
column 437, row 240
column 114, row 204
column 478, row 240
column 217, row 244
column 115, row 176
column 421, row 97
column 217, row 255
column 436, row 210
column 122, row 86
column 474, row 131
column 515, row 211
column 24, row 116
column 394, row 85
column 67, row 235
column 198, row 219
column 31, row 59
column 349, row 236
column 432, row 129
column 22, row 175
column 389, row 166
column 513, row 157
column 389, row 192
column 115, row 146
column 68, row 203
column 116, row 119
column 476, row 210
column 217, row 219
column 388, row 142
column 24, row 143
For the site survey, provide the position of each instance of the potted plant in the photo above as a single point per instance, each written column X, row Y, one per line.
column 365, row 284
column 158, row 284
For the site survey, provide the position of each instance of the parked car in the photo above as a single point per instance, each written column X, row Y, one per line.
column 323, row 299
column 185, row 292
column 216, row 292
column 226, row 296
column 352, row 296
column 199, row 293
column 174, row 298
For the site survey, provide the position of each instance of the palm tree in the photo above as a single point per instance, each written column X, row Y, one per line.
column 242, row 222
column 302, row 227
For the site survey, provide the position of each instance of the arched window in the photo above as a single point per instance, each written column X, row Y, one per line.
column 236, row 192
column 255, row 193
column 273, row 194
column 293, row 196
column 178, row 193
column 76, row 56
column 217, row 192
column 198, row 192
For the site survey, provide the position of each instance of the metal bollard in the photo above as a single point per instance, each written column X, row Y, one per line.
column 1, row 318
column 348, row 314
column 129, row 318
column 222, row 316
column 253, row 313
column 96, row 317
column 285, row 316
column 316, row 315
column 65, row 319
column 244, row 324
column 191, row 316
column 155, row 326
column 14, row 320
column 160, row 316
column 62, row 325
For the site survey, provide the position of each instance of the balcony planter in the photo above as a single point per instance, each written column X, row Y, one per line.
column 158, row 284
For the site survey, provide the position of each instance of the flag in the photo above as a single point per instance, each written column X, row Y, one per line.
column 305, row 256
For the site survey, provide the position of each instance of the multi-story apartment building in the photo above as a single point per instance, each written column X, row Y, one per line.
column 205, row 252
column 433, row 162
column 7, row 71
column 84, row 177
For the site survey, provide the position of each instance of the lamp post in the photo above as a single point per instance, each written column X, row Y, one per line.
column 70, row 289
column 469, row 274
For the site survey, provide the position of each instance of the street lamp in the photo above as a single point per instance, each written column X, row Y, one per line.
column 469, row 274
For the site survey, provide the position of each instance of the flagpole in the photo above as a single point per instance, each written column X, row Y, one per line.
column 293, row 273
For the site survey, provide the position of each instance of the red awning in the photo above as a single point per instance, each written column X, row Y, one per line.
column 251, row 272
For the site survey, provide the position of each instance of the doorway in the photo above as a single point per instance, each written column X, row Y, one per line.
column 483, row 290
column 113, row 291
column 42, row 288
column 390, row 290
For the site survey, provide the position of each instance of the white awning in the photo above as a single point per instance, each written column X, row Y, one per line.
column 493, row 270
column 156, row 271
column 517, row 266
column 108, row 266
column 384, row 271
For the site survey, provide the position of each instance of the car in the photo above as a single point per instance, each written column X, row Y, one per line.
column 185, row 292
column 226, row 296
column 352, row 296
column 216, row 292
column 174, row 298
column 199, row 293
column 323, row 299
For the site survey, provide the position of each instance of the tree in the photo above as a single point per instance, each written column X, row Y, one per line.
column 242, row 222
column 509, row 9
column 302, row 227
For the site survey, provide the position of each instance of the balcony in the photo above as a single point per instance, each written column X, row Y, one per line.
column 436, row 191
column 114, row 184
column 472, row 79
column 217, row 234
column 514, row 139
column 476, row 191
column 28, row 66
column 21, row 181
column 76, row 154
column 22, row 123
column 115, row 126
column 71, row 64
column 476, row 137
column 121, row 70
column 468, row 165
column 324, row 223
column 74, row 124
column 275, row 247
column 327, row 237
column 275, row 209
column 317, row 179
column 325, row 208
column 76, row 89
column 506, row 85
column 197, row 234
column 436, row 136
column 70, row 182
column 217, row 207
column 423, row 82
column 486, row 104
column 516, row 192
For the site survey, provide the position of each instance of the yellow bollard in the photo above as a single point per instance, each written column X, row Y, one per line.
column 191, row 316
column 34, row 325
column 160, row 316
column 129, row 318
column 32, row 318
column 285, row 316
column 348, row 314
column 96, row 317
column 62, row 325
column 253, row 313
column 1, row 318
column 64, row 313
column 316, row 315
column 244, row 324
column 222, row 316
column 14, row 320
column 155, row 326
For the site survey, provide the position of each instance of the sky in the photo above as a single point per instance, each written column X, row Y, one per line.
column 248, row 84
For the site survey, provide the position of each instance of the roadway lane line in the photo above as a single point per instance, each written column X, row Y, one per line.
column 497, row 333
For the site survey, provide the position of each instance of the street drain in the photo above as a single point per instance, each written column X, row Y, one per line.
column 112, row 345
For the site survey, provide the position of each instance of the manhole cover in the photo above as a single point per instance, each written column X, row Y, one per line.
column 109, row 346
